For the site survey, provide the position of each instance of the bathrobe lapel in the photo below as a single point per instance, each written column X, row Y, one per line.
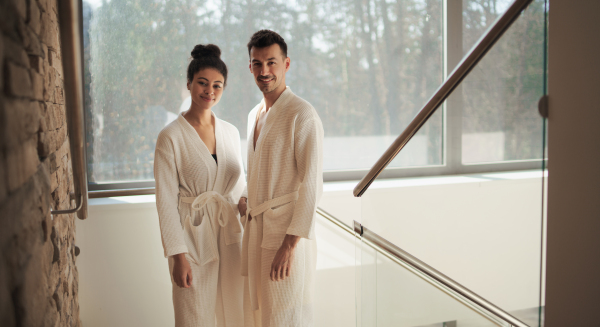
column 220, row 185
column 272, row 118
column 251, row 155
column 274, row 112
column 203, row 152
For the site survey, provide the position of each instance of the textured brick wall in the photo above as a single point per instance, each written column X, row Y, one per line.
column 38, row 276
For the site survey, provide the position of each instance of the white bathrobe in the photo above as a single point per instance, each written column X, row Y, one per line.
column 197, row 201
column 285, row 182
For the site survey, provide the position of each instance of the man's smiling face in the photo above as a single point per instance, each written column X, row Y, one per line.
column 269, row 67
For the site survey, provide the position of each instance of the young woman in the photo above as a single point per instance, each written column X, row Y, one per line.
column 199, row 181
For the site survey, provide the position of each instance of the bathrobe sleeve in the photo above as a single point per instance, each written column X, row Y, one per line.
column 167, row 197
column 308, row 152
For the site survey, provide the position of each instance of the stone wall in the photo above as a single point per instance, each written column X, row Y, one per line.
column 38, row 276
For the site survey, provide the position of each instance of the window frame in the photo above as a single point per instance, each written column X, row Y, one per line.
column 451, row 124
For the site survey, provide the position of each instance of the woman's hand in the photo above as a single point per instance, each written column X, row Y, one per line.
column 242, row 206
column 182, row 272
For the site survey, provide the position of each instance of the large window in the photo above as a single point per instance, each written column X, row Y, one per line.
column 500, row 121
column 366, row 66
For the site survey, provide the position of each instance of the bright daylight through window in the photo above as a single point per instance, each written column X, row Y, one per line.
column 366, row 66
column 500, row 118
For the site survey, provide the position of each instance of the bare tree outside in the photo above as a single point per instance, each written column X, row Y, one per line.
column 367, row 66
column 500, row 114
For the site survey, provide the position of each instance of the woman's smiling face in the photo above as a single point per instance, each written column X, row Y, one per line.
column 206, row 88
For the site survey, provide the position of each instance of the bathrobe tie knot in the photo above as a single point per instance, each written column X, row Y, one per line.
column 222, row 212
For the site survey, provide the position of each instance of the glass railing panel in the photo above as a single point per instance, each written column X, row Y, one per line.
column 406, row 299
column 335, row 278
column 484, row 231
column 482, row 225
column 368, row 285
column 393, row 293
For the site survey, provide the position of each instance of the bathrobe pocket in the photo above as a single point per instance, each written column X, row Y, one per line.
column 275, row 224
column 201, row 240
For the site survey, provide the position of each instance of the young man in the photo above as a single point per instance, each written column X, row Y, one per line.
column 285, row 182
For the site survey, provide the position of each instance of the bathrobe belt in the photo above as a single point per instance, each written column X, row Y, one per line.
column 250, row 259
column 224, row 213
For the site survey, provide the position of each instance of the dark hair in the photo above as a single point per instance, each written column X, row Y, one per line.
column 206, row 56
column 266, row 38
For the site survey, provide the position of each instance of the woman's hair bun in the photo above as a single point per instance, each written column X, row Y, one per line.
column 206, row 56
column 206, row 50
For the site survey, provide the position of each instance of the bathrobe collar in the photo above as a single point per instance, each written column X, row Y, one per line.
column 277, row 107
column 204, row 153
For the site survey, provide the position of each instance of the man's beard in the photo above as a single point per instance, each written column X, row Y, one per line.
column 270, row 87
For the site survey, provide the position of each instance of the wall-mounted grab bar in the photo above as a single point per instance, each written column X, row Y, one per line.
column 71, row 51
column 458, row 74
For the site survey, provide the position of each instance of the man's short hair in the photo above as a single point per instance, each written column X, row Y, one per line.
column 266, row 38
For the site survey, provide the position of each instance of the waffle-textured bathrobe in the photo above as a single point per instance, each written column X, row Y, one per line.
column 197, row 201
column 285, row 182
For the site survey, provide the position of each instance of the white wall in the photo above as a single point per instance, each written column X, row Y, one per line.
column 482, row 231
column 573, row 282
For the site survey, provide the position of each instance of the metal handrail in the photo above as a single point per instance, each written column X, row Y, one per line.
column 70, row 39
column 458, row 74
column 335, row 221
column 396, row 253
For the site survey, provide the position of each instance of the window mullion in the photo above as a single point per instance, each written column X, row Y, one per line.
column 453, row 54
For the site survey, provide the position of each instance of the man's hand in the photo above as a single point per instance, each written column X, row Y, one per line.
column 282, row 263
column 242, row 206
column 182, row 272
